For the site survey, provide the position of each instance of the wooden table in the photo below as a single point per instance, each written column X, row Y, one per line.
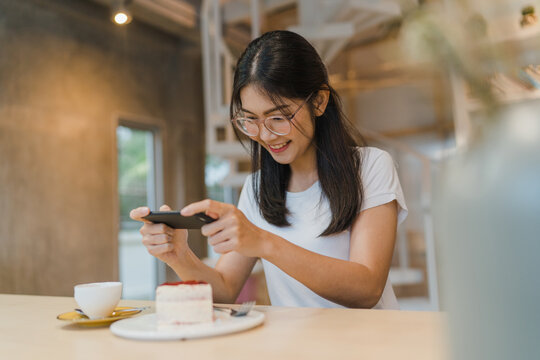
column 29, row 330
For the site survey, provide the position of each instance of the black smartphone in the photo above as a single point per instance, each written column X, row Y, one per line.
column 177, row 221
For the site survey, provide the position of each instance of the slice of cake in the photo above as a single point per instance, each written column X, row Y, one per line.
column 184, row 302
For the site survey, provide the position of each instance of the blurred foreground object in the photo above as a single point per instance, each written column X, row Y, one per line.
column 489, row 240
column 488, row 201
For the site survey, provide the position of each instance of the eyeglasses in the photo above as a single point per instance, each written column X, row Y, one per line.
column 276, row 124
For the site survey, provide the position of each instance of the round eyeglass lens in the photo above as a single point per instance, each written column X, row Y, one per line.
column 279, row 125
column 247, row 126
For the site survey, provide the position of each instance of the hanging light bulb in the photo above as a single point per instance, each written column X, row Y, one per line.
column 120, row 14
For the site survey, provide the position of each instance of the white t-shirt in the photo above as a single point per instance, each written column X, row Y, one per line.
column 310, row 215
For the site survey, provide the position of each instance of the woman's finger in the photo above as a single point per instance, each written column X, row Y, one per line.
column 157, row 250
column 225, row 247
column 164, row 207
column 219, row 237
column 152, row 240
column 210, row 207
column 156, row 229
column 138, row 213
column 213, row 228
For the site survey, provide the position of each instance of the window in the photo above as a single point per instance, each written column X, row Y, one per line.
column 139, row 184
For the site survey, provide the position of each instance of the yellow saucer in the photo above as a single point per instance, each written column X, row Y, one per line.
column 79, row 319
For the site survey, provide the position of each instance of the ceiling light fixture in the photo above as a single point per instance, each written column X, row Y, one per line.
column 120, row 14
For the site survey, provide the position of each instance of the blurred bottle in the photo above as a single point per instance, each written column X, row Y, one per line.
column 488, row 221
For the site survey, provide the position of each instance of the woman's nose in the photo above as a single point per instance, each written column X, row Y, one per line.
column 265, row 134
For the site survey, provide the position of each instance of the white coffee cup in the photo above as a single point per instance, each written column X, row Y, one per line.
column 98, row 300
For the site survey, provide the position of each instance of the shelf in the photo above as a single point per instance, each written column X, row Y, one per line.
column 505, row 29
column 521, row 36
column 406, row 276
column 415, row 304
column 235, row 179
column 475, row 105
column 230, row 150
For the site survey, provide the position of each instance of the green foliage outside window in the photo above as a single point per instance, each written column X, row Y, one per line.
column 133, row 168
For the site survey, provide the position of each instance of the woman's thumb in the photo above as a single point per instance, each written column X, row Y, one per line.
column 164, row 208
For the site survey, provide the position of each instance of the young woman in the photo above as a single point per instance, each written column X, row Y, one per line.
column 320, row 209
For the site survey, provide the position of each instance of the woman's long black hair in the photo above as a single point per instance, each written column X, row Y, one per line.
column 284, row 65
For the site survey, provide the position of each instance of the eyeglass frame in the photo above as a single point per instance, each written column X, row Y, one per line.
column 288, row 118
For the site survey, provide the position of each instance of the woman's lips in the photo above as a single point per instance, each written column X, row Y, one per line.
column 279, row 147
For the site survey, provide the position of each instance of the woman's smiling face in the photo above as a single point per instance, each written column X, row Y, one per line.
column 295, row 147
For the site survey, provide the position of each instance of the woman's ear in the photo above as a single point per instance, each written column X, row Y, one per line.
column 321, row 101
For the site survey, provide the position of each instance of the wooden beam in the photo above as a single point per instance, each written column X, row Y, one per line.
column 387, row 7
column 329, row 31
column 235, row 12
column 426, row 129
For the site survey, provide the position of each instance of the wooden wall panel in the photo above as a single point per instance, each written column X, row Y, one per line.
column 66, row 73
column 58, row 214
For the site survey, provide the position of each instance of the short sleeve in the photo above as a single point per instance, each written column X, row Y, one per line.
column 380, row 181
column 246, row 202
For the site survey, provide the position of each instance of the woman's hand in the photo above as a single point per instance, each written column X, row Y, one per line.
column 232, row 231
column 161, row 241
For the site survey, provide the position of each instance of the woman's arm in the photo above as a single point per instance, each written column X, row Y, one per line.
column 171, row 247
column 358, row 282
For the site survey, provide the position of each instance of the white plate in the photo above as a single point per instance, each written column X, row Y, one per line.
column 144, row 327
